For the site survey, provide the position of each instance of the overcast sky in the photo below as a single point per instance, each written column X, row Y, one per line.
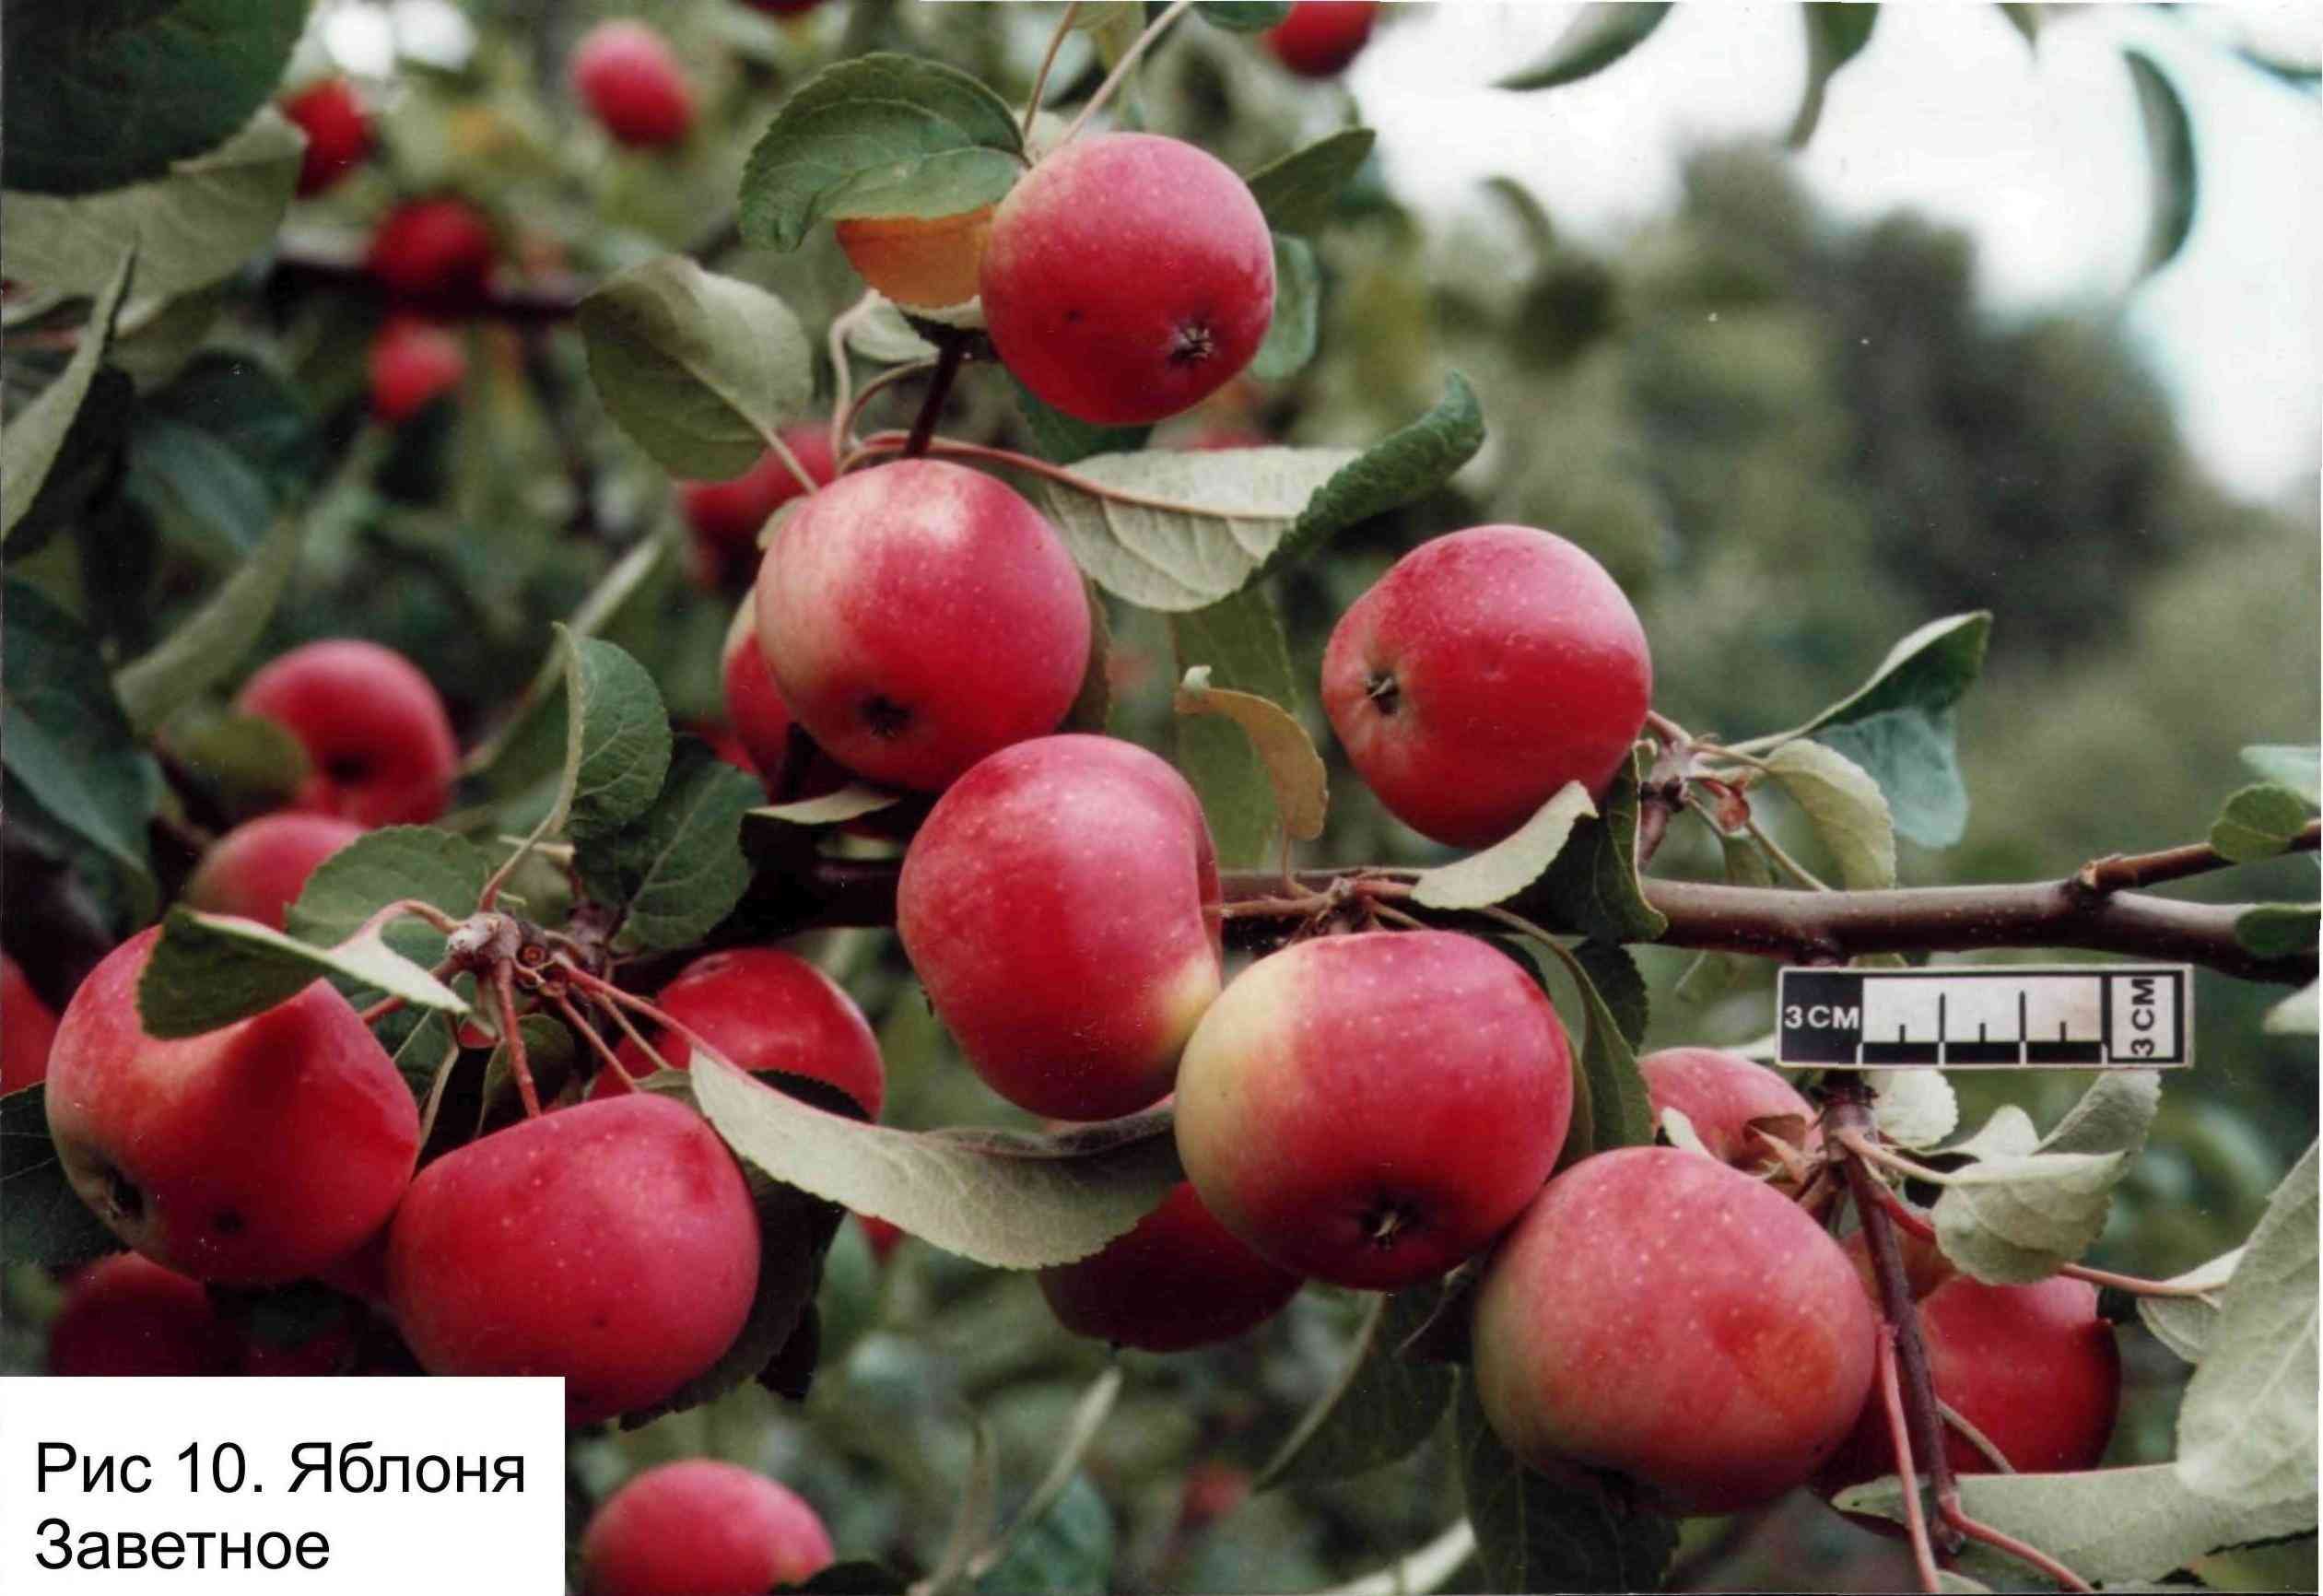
column 2039, row 155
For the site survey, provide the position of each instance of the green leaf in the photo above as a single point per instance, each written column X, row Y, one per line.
column 1600, row 35
column 1204, row 524
column 618, row 738
column 1379, row 1409
column 2026, row 20
column 1594, row 888
column 1009, row 1199
column 224, row 449
column 880, row 136
column 2113, row 1115
column 1295, row 192
column 1535, row 1533
column 1063, row 439
column 2246, row 1429
column 1241, row 641
column 1621, row 1113
column 2183, row 1323
column 109, row 93
column 85, row 464
column 1901, row 726
column 972, row 1516
column 1513, row 863
column 1913, row 1107
column 851, row 802
column 212, row 640
column 2174, row 180
column 700, row 370
column 677, row 870
column 550, row 1053
column 209, row 970
column 41, row 1219
column 2110, row 1526
column 64, row 739
column 1293, row 769
column 29, row 447
column 191, row 225
column 2295, row 1015
column 2297, row 766
column 248, row 764
column 2259, row 823
column 386, row 866
column 1620, row 984
column 1068, row 1549
column 1290, row 336
column 1244, row 15
column 1836, row 35
column 1845, row 807
column 2013, row 1220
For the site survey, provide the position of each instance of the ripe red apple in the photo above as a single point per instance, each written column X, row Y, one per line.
column 700, row 1527
column 612, row 1242
column 27, row 1030
column 1127, row 277
column 267, row 1150
column 761, row 721
column 765, row 1009
column 726, row 516
column 1178, row 1279
column 2033, row 1368
column 1663, row 1316
column 920, row 615
column 628, row 75
column 1725, row 1096
column 1060, row 905
column 1483, row 672
column 433, row 249
column 126, row 1315
column 1369, row 1109
column 339, row 132
column 928, row 261
column 372, row 725
column 412, row 360
column 1319, row 37
column 258, row 869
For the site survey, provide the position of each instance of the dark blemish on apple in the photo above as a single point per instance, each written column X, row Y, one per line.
column 886, row 719
column 1382, row 690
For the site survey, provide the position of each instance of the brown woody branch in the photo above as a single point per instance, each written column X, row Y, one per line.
column 1769, row 922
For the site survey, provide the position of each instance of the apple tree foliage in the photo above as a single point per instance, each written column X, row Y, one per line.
column 187, row 485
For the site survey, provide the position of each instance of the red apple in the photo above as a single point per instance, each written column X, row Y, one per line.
column 27, row 1030
column 927, row 261
column 126, row 1315
column 1728, row 1098
column 372, row 725
column 726, row 516
column 612, row 1243
column 2033, row 1368
column 625, row 71
column 258, row 869
column 267, row 1150
column 761, row 721
column 920, row 615
column 339, row 132
column 1178, row 1279
column 1127, row 277
column 1369, row 1109
column 765, row 1009
column 1664, row 1317
column 1319, row 37
column 433, row 249
column 1483, row 672
column 412, row 360
column 699, row 1528
column 1060, row 905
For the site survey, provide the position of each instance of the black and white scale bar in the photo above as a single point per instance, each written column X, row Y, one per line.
column 2004, row 1016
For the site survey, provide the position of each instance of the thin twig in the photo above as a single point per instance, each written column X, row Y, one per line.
column 580, row 1028
column 886, row 379
column 512, row 1036
column 1121, row 68
column 1048, row 60
column 1914, row 1515
column 1904, row 1216
column 948, row 357
column 2116, row 872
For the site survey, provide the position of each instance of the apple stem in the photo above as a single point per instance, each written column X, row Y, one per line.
column 629, row 1029
column 1914, row 1515
column 1849, row 1118
column 1121, row 68
column 1958, row 1423
column 887, row 379
column 580, row 1028
column 513, row 1036
column 790, row 463
column 948, row 355
column 1956, row 1515
column 1048, row 60
column 842, row 375
column 606, row 992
